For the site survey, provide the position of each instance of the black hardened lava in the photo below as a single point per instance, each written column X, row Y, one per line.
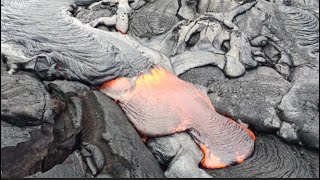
column 273, row 158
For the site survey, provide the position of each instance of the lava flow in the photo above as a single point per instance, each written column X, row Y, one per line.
column 158, row 103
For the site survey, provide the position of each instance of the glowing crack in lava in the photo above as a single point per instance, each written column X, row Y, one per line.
column 158, row 103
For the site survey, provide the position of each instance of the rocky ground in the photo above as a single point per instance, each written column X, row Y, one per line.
column 264, row 75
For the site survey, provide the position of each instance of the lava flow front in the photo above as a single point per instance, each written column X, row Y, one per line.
column 158, row 103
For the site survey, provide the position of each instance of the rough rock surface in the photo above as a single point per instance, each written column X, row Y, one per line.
column 301, row 107
column 154, row 18
column 294, row 30
column 75, row 113
column 96, row 121
column 23, row 149
column 105, row 56
column 305, row 74
column 47, row 125
column 72, row 167
column 26, row 125
column 272, row 158
column 13, row 135
column 67, row 110
column 68, row 86
column 217, row 6
column 106, row 127
column 88, row 14
column 3, row 65
column 204, row 76
column 174, row 152
column 251, row 99
column 24, row 101
column 184, row 61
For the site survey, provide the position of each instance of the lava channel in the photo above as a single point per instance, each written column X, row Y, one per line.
column 158, row 103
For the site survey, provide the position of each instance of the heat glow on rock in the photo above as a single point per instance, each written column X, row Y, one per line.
column 158, row 103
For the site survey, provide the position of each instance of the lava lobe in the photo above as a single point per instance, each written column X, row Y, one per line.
column 158, row 103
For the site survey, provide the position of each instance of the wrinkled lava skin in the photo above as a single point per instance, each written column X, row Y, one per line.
column 158, row 103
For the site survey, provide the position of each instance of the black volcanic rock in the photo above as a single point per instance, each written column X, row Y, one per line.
column 75, row 51
column 179, row 154
column 67, row 110
column 154, row 18
column 23, row 148
column 301, row 107
column 72, row 167
column 3, row 64
column 24, row 101
column 11, row 135
column 272, row 158
column 68, row 86
column 86, row 15
column 305, row 74
column 251, row 99
column 26, row 125
column 203, row 75
column 106, row 127
column 56, row 128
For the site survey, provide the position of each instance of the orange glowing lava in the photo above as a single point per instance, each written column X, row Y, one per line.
column 209, row 160
column 158, row 103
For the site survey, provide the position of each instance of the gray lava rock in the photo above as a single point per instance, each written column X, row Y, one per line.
column 86, row 15
column 305, row 74
column 69, row 86
column 84, row 2
column 293, row 29
column 72, row 167
column 301, row 107
column 273, row 158
column 187, row 9
column 56, row 45
column 203, row 75
column 288, row 132
column 312, row 157
column 96, row 154
column 180, row 154
column 104, row 176
column 26, row 125
column 154, row 18
column 239, row 56
column 252, row 99
column 67, row 109
column 24, row 101
column 106, row 127
column 23, row 149
column 217, row 5
column 251, row 23
column 3, row 65
column 11, row 136
column 192, row 59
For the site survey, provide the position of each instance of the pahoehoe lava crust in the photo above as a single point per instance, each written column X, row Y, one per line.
column 42, row 36
column 46, row 37
column 272, row 158
column 158, row 103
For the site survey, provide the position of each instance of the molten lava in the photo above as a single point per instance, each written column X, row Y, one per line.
column 158, row 103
